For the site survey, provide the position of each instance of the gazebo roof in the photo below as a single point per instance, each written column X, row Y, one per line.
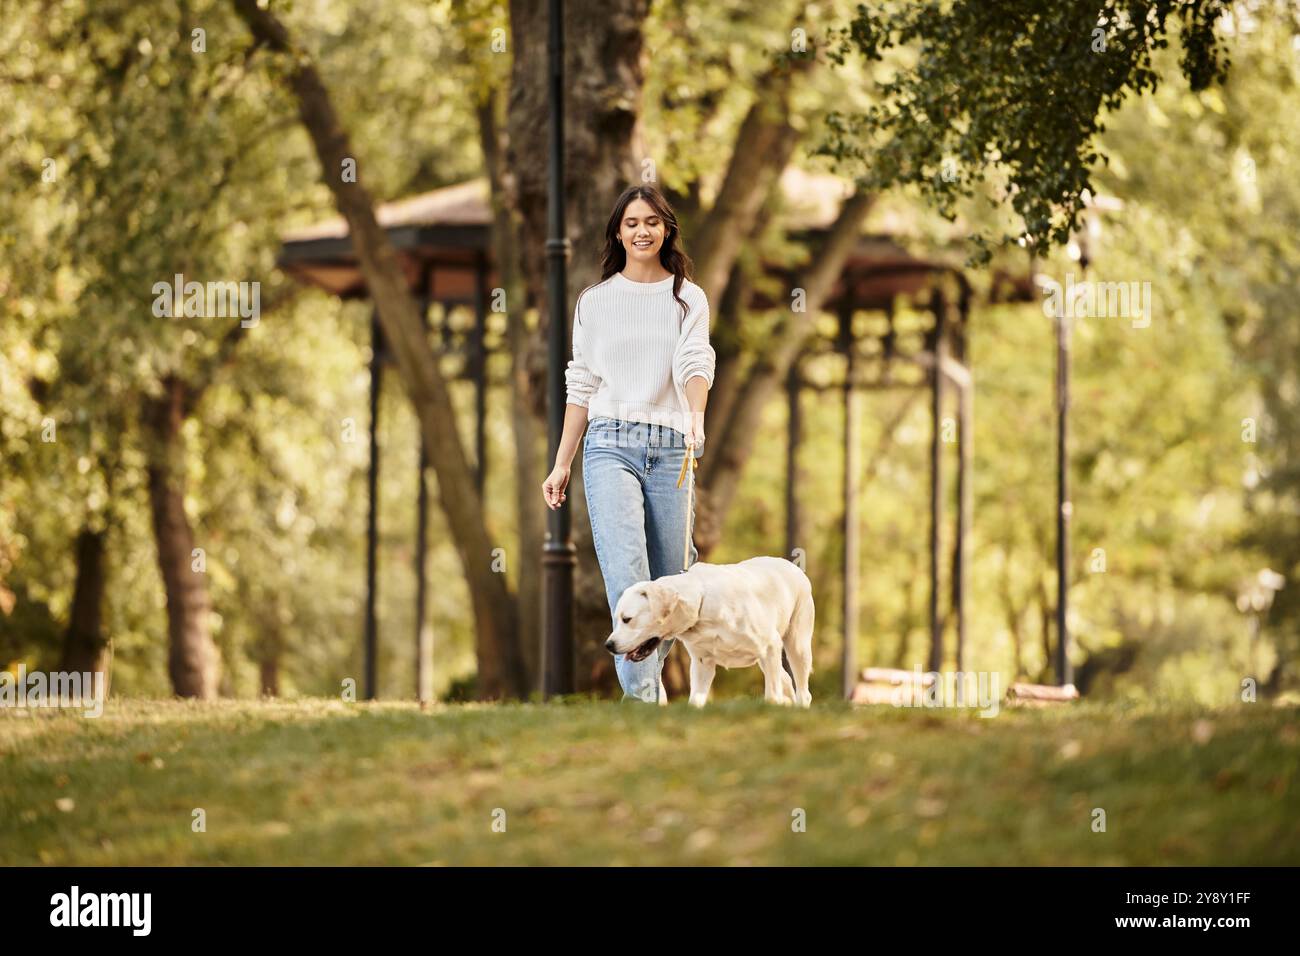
column 464, row 204
column 443, row 239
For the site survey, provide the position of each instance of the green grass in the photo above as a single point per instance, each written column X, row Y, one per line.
column 582, row 782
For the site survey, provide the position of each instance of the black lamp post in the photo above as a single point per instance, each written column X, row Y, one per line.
column 559, row 557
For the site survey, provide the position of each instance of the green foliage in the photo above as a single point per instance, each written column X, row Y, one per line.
column 1016, row 89
column 1216, row 177
column 693, row 104
column 168, row 158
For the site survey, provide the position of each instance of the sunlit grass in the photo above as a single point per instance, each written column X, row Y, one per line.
column 324, row 782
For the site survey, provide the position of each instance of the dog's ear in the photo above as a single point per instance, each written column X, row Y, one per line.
column 662, row 600
column 674, row 609
column 673, row 604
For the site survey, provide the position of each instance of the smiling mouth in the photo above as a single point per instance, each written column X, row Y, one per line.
column 643, row 245
column 642, row 651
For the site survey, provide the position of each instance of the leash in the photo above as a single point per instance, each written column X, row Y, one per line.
column 688, row 461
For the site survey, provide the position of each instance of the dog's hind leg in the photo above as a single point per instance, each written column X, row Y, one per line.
column 787, row 687
column 770, row 665
column 798, row 647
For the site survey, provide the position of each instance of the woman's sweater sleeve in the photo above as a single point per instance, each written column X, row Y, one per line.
column 695, row 356
column 580, row 381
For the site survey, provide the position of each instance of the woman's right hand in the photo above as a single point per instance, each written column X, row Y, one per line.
column 553, row 487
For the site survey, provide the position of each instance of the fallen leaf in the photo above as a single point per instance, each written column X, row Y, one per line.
column 1202, row 731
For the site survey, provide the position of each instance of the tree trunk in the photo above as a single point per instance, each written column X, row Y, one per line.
column 269, row 652
column 602, row 137
column 725, row 337
column 192, row 659
column 764, row 145
column 501, row 664
column 85, row 649
column 602, row 143
column 1012, row 613
column 747, row 199
column 603, row 151
column 602, row 155
column 526, row 427
column 1046, row 614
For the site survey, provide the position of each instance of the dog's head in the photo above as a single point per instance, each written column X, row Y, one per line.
column 646, row 613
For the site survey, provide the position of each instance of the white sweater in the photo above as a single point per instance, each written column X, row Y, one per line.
column 633, row 352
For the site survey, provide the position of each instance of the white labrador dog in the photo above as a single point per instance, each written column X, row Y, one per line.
column 736, row 615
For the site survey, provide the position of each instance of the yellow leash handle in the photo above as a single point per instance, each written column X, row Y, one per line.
column 689, row 461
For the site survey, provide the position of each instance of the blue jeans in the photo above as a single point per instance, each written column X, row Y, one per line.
column 638, row 522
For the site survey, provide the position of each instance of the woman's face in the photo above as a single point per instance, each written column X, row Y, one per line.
column 642, row 232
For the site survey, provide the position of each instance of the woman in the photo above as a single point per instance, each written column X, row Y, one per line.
column 641, row 372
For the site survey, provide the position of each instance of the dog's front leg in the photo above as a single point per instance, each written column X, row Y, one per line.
column 701, row 681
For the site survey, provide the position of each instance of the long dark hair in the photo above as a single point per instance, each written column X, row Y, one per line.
column 614, row 257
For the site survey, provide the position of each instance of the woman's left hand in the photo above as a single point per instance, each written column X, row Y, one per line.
column 695, row 431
